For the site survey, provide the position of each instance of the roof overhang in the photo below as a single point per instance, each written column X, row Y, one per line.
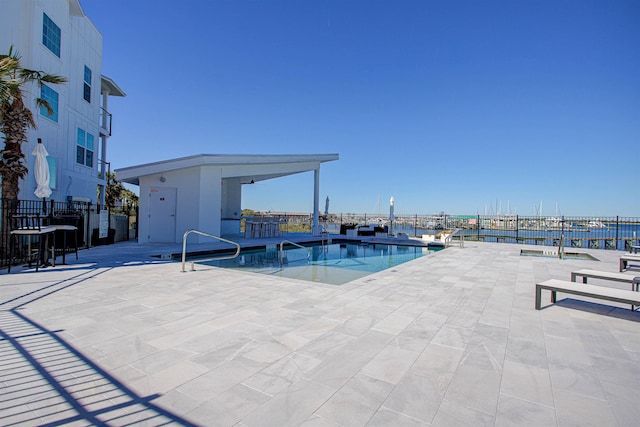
column 109, row 86
column 246, row 167
column 75, row 9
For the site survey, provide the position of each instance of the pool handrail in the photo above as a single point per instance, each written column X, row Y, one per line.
column 449, row 238
column 294, row 244
column 202, row 233
column 324, row 232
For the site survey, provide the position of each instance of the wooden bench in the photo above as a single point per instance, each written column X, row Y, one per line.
column 610, row 294
column 627, row 258
column 606, row 275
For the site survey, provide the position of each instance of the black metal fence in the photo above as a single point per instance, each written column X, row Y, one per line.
column 83, row 215
column 612, row 232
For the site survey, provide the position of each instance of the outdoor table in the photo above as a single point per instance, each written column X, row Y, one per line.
column 634, row 249
column 43, row 234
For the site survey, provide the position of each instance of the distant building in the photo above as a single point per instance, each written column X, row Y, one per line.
column 56, row 36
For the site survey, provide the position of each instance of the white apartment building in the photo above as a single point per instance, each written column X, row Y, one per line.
column 56, row 36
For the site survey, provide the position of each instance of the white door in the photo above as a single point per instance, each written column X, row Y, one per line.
column 162, row 215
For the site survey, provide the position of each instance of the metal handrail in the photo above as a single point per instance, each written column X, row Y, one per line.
column 294, row 244
column 324, row 232
column 184, row 248
column 449, row 238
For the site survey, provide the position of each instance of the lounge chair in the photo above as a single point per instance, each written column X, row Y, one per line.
column 627, row 259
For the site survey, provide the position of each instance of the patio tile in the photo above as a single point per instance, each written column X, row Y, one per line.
column 386, row 417
column 526, row 382
column 356, row 401
column 513, row 411
column 453, row 336
column 451, row 339
column 623, row 372
column 566, row 351
column 437, row 360
column 229, row 407
column 390, row 364
column 451, row 415
column 575, row 378
column 280, row 375
column 483, row 395
column 624, row 402
column 268, row 352
column 292, row 406
column 418, row 397
column 225, row 376
column 579, row 410
column 169, row 378
column 394, row 323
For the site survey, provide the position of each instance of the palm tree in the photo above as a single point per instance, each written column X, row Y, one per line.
column 16, row 118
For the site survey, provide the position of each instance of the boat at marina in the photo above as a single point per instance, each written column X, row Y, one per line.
column 596, row 224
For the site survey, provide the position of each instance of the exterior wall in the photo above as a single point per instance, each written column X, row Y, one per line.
column 80, row 45
column 199, row 201
column 210, row 203
column 189, row 203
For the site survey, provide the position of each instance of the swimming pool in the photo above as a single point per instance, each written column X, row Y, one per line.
column 335, row 263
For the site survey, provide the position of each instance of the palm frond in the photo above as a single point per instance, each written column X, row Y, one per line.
column 42, row 103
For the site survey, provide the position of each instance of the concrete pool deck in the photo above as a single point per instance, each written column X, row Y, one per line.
column 118, row 337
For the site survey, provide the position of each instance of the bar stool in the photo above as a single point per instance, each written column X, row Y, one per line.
column 29, row 226
column 65, row 229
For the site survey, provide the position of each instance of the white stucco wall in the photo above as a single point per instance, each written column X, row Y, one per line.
column 198, row 201
column 210, row 201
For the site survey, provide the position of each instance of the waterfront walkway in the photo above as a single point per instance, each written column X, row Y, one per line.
column 119, row 337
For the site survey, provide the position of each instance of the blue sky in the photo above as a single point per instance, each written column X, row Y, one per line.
column 458, row 106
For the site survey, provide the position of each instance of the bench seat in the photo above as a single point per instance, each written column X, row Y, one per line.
column 627, row 258
column 606, row 275
column 600, row 292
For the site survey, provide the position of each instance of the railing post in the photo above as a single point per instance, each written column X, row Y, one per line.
column 88, row 237
column 617, row 227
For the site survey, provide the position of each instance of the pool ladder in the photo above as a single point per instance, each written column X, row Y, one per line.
column 184, row 248
column 294, row 244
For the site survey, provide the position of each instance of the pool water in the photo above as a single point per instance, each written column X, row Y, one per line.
column 335, row 264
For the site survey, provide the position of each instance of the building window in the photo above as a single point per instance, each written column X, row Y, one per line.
column 51, row 96
column 50, row 35
column 87, row 84
column 84, row 148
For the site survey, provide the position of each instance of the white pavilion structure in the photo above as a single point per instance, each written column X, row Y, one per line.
column 204, row 192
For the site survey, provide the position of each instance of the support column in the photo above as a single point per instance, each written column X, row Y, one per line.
column 315, row 227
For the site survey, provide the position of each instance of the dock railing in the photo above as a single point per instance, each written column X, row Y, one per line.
column 604, row 232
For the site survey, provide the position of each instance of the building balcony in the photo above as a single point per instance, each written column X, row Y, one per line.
column 105, row 122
